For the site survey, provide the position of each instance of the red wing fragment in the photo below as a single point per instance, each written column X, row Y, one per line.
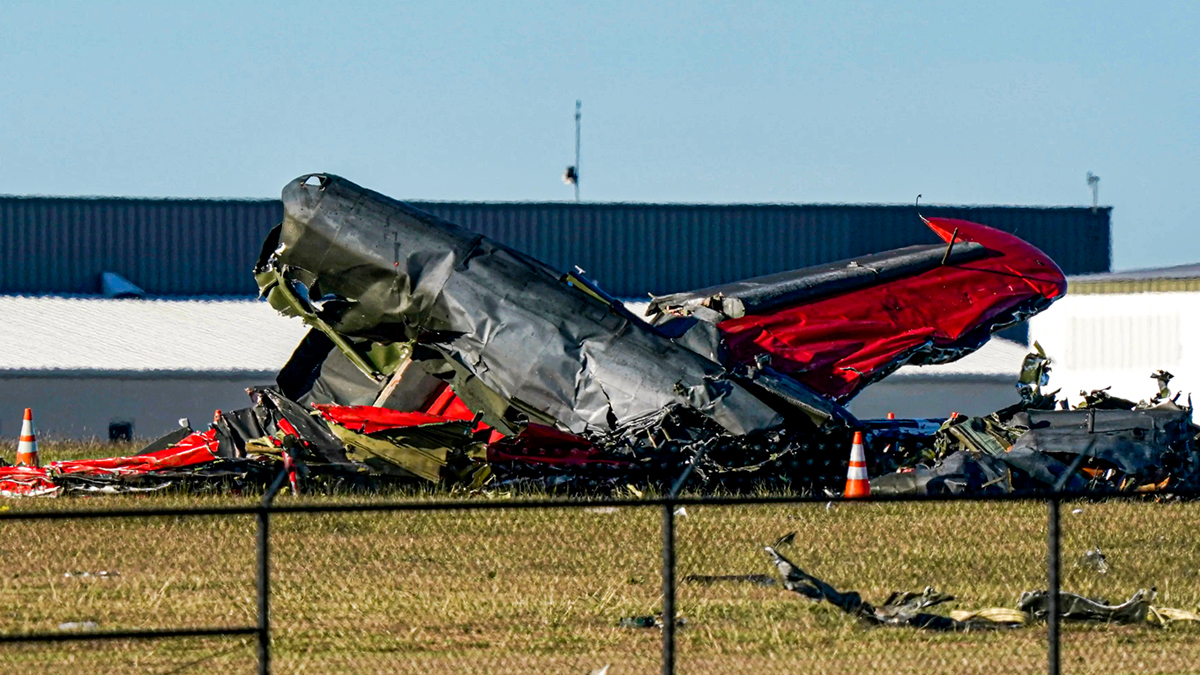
column 193, row 450
column 840, row 343
column 366, row 419
column 537, row 444
column 25, row 481
column 197, row 448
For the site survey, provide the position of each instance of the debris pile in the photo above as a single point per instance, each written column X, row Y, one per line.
column 437, row 355
column 1105, row 444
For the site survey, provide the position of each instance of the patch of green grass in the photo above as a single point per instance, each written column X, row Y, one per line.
column 543, row 590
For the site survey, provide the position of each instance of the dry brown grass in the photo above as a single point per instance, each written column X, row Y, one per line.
column 55, row 450
column 542, row 591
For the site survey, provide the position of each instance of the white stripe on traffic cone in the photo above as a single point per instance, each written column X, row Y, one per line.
column 857, row 484
column 27, row 453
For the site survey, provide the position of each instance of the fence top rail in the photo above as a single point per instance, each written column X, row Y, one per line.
column 69, row 636
column 503, row 504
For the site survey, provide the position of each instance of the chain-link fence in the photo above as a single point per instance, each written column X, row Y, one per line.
column 506, row 585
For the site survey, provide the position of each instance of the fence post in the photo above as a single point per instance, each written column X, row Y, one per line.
column 668, row 561
column 264, row 608
column 668, row 587
column 1052, row 571
column 264, row 574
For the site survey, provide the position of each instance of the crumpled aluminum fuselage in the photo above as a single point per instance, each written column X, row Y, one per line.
column 392, row 273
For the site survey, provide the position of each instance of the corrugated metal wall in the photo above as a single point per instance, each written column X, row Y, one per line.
column 207, row 247
column 166, row 246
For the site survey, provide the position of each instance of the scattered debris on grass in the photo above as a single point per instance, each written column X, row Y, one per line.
column 906, row 608
column 102, row 574
column 655, row 621
column 708, row 580
column 1093, row 560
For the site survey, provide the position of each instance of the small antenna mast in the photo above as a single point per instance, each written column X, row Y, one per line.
column 1093, row 182
column 571, row 175
column 578, row 117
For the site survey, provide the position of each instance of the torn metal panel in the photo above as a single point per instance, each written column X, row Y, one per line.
column 373, row 420
column 709, row 579
column 195, row 449
column 362, row 266
column 900, row 609
column 817, row 408
column 320, row 372
column 1135, row 441
column 764, row 294
column 419, row 451
column 1074, row 607
column 1163, row 378
column 289, row 298
column 539, row 444
column 1043, row 469
column 192, row 460
column 166, row 440
column 235, row 428
column 1035, row 374
column 959, row 473
column 27, row 481
column 274, row 416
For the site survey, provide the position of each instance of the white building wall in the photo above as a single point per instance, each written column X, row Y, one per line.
column 923, row 397
column 1119, row 340
column 66, row 407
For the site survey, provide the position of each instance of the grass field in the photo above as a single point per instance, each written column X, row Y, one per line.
column 543, row 591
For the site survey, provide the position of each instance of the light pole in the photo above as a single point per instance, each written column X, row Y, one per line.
column 571, row 175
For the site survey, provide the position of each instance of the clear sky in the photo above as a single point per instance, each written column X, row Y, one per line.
column 993, row 103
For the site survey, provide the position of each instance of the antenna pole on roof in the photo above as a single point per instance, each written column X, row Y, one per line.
column 1094, row 183
column 571, row 175
column 578, row 117
column 917, row 206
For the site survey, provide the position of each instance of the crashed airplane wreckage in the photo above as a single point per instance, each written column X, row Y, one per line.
column 438, row 354
column 1040, row 444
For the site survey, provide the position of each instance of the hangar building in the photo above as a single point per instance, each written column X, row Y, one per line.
column 195, row 339
column 1116, row 329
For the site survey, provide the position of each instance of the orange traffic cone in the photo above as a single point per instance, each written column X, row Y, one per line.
column 888, row 448
column 857, row 484
column 27, row 454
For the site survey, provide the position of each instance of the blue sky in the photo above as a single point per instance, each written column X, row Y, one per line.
column 995, row 103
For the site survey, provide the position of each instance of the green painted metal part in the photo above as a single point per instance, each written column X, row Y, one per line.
column 274, row 287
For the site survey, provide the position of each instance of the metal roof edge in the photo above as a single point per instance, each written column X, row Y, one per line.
column 830, row 205
column 146, row 298
column 519, row 202
column 97, row 198
column 1010, row 378
column 126, row 374
column 1129, row 286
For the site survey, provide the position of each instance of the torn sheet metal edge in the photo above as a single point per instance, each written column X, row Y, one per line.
column 762, row 294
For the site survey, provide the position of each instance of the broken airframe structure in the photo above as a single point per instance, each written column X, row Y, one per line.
column 437, row 354
column 1041, row 444
column 907, row 609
